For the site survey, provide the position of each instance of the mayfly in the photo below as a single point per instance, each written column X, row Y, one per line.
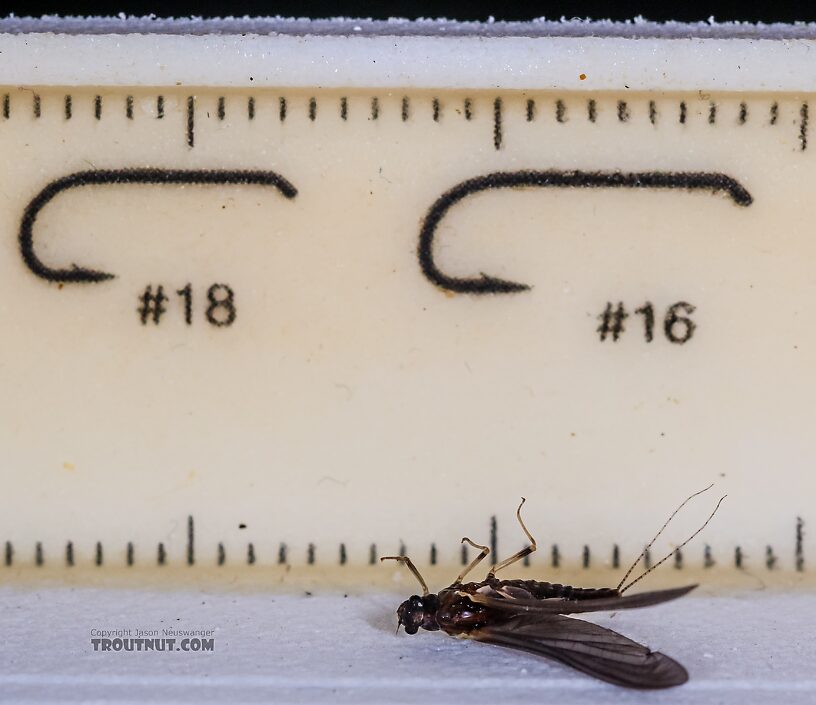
column 530, row 616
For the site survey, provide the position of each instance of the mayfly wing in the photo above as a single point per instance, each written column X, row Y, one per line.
column 562, row 606
column 587, row 647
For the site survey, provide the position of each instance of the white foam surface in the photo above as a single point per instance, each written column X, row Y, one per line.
column 360, row 60
column 326, row 648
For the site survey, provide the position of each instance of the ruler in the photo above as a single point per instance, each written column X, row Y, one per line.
column 260, row 310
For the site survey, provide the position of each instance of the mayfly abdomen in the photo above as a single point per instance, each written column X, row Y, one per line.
column 543, row 590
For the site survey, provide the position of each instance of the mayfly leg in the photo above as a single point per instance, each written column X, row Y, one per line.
column 407, row 561
column 474, row 562
column 523, row 552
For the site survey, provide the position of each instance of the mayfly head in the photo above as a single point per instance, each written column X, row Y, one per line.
column 418, row 612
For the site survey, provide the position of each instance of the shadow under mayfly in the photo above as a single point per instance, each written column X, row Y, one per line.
column 529, row 615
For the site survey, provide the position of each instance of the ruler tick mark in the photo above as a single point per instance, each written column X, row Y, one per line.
column 161, row 557
column 494, row 538
column 682, row 116
column 6, row 105
column 344, row 108
column 738, row 557
column 221, row 111
column 803, row 126
column 433, row 554
column 282, row 554
column 678, row 559
column 38, row 554
column 712, row 113
column 251, row 108
column 555, row 556
column 800, row 544
column 282, row 108
column 98, row 556
column 623, row 111
column 708, row 558
column 9, row 554
column 560, row 111
column 250, row 554
column 36, row 104
column 129, row 107
column 68, row 107
column 312, row 108
column 652, row 112
column 531, row 106
column 468, row 109
column 310, row 554
column 372, row 554
column 98, row 107
column 497, row 123
column 222, row 554
column 375, row 108
column 436, row 109
column 129, row 553
column 585, row 558
column 159, row 107
column 69, row 554
column 464, row 554
column 743, row 114
column 191, row 121
column 405, row 108
column 592, row 110
column 616, row 556
column 343, row 556
column 190, row 540
column 774, row 113
column 770, row 558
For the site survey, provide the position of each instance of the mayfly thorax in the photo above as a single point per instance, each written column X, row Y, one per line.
column 529, row 615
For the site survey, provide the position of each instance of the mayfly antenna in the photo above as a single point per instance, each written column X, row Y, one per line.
column 671, row 553
column 662, row 528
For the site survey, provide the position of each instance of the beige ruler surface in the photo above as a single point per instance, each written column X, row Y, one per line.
column 252, row 325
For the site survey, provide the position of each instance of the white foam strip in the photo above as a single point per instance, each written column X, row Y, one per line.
column 467, row 62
